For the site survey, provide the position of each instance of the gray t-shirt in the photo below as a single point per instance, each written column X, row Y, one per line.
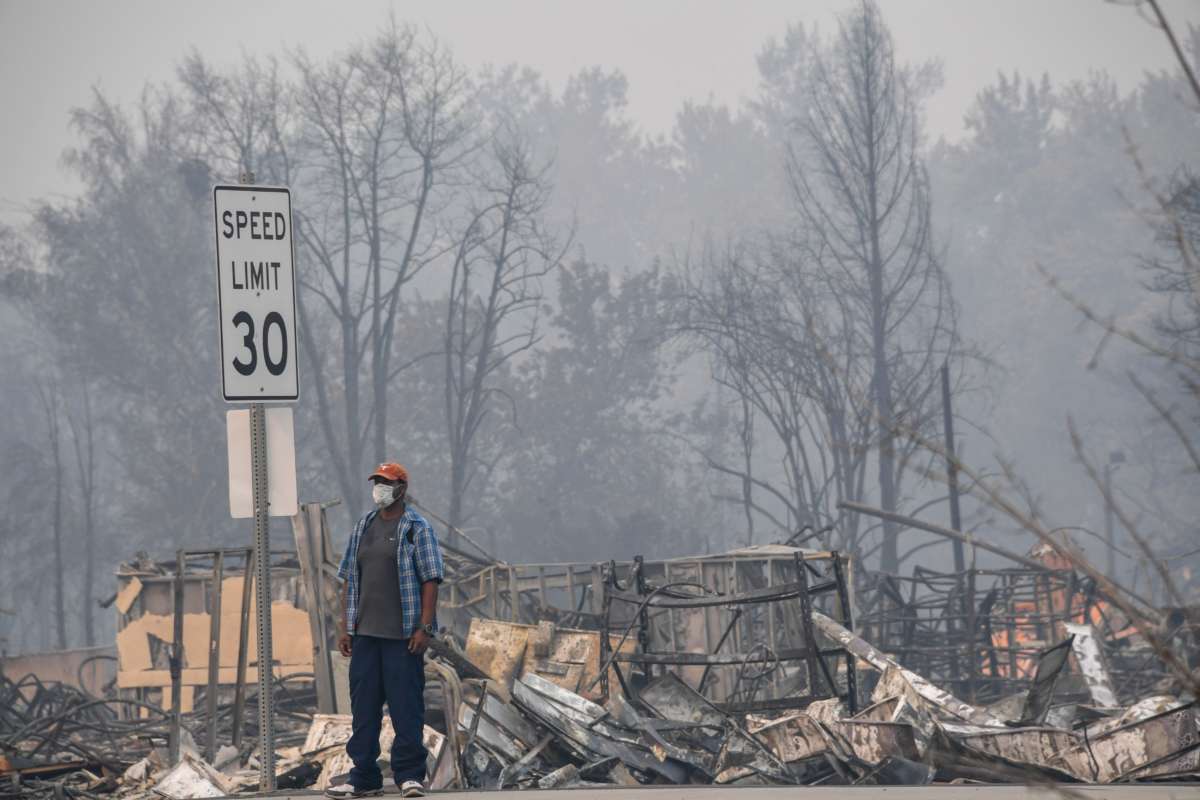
column 379, row 611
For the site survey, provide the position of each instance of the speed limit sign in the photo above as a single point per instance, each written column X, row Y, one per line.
column 256, row 293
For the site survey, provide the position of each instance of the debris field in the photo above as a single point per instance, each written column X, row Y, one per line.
column 772, row 665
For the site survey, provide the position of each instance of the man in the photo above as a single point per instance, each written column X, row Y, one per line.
column 391, row 571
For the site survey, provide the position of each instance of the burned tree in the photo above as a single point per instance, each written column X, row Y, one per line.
column 83, row 441
column 1172, row 269
column 493, row 306
column 237, row 120
column 48, row 395
column 382, row 128
column 367, row 140
column 784, row 344
column 860, row 190
column 835, row 330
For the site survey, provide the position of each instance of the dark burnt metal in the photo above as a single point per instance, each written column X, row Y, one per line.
column 773, row 646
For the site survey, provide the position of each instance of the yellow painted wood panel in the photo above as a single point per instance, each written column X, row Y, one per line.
column 291, row 643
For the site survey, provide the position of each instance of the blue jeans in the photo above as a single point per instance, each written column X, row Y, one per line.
column 382, row 670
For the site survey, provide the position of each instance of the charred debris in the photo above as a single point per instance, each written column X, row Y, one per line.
column 772, row 664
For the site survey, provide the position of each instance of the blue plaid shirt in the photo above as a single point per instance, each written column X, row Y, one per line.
column 416, row 562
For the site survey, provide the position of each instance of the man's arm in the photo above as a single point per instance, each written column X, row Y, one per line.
column 344, row 641
column 429, row 598
column 343, row 573
column 419, row 641
column 430, row 571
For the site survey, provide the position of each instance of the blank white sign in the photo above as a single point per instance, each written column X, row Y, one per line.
column 281, row 464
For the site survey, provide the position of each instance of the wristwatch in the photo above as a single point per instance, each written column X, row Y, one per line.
column 428, row 628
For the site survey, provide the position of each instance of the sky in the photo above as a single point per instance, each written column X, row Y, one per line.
column 53, row 52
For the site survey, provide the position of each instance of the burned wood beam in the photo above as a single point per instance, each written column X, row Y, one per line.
column 309, row 532
column 931, row 527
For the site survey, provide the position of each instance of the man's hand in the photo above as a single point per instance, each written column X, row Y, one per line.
column 418, row 643
column 344, row 644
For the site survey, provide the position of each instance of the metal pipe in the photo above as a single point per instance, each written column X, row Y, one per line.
column 214, row 653
column 176, row 660
column 239, row 691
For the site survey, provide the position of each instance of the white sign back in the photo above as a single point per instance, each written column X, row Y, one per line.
column 256, row 293
column 282, row 500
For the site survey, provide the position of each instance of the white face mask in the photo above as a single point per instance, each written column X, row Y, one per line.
column 383, row 495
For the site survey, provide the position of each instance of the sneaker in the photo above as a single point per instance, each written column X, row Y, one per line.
column 347, row 789
column 412, row 789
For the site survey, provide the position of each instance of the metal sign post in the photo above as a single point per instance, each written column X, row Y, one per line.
column 262, row 582
column 256, row 303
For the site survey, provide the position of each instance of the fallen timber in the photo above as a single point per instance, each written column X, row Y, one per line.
column 930, row 527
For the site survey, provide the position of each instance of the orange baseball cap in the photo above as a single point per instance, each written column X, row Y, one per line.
column 390, row 471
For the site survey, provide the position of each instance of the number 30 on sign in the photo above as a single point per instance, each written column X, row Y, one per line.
column 256, row 293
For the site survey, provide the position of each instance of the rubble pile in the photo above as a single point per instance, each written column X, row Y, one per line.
column 534, row 732
column 742, row 668
column 518, row 725
column 978, row 633
column 58, row 740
